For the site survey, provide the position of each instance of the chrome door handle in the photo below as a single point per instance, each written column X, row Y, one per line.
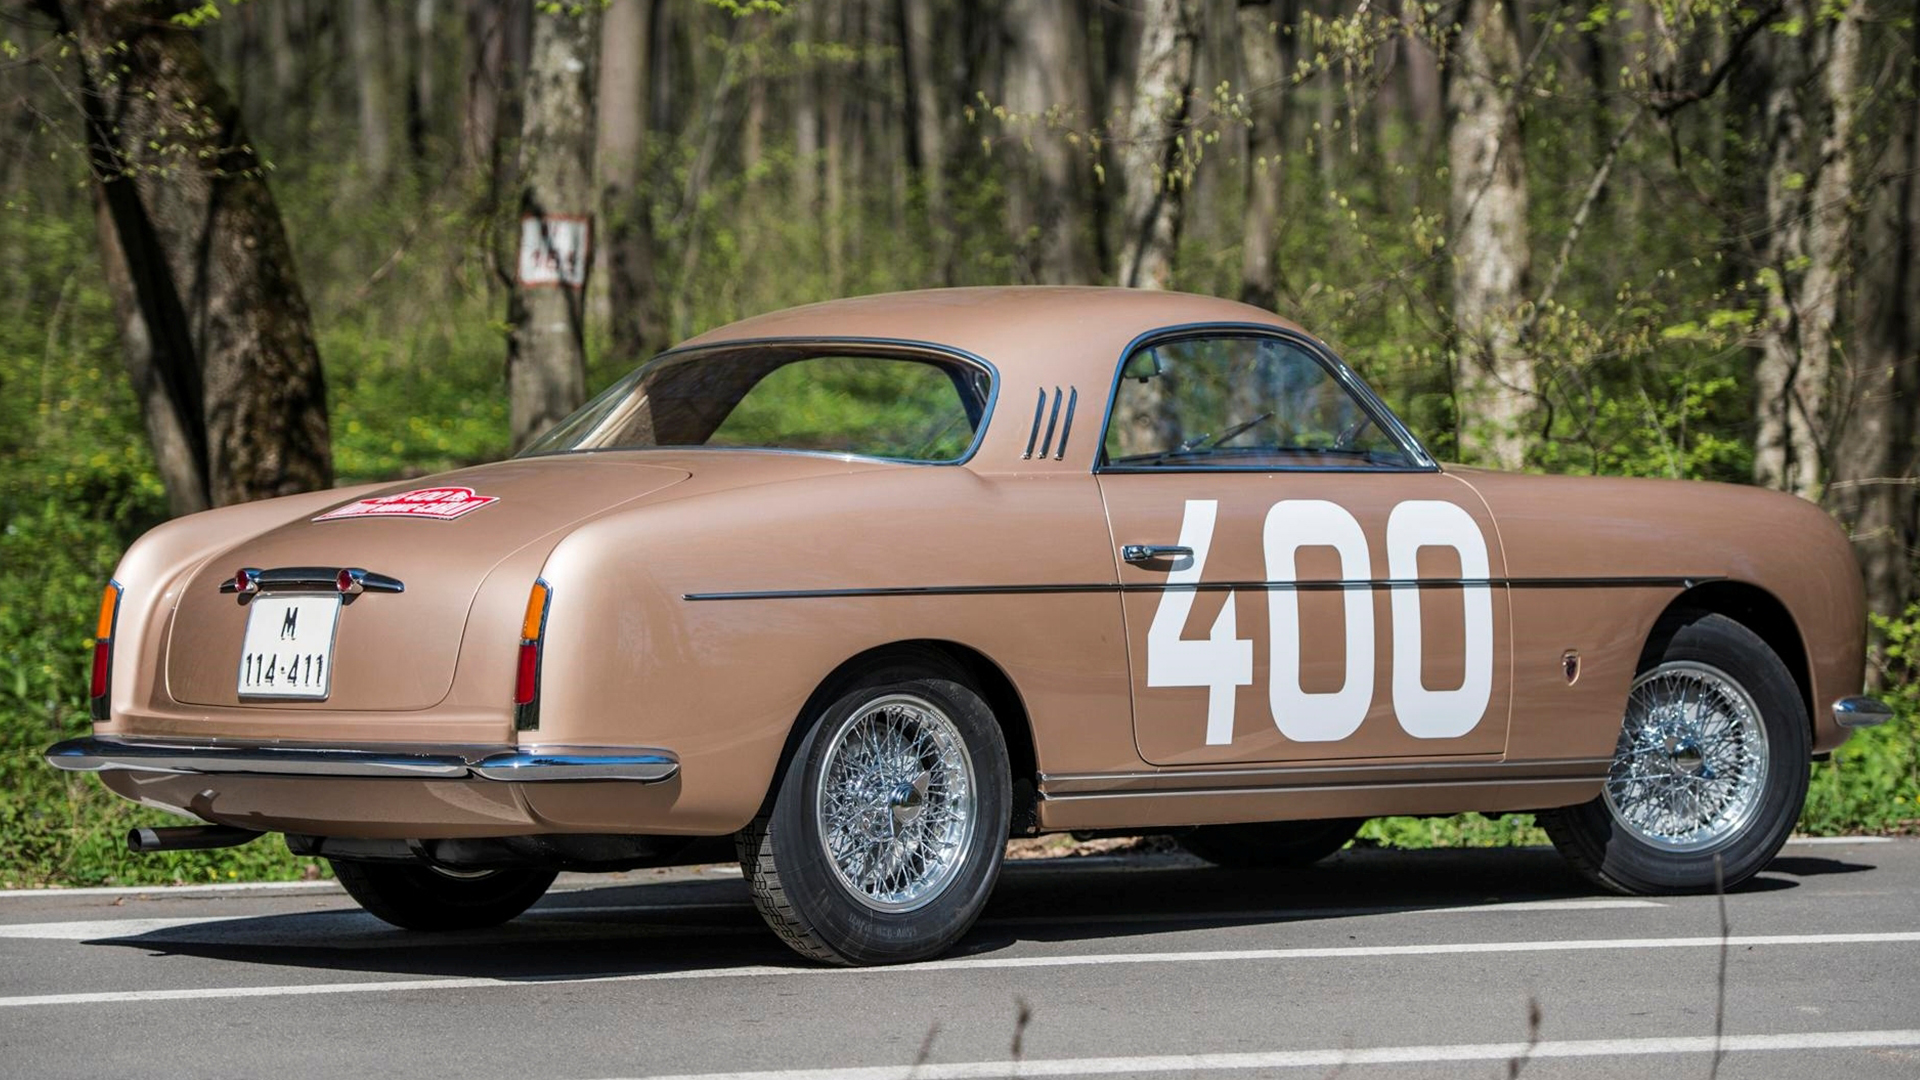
column 1140, row 553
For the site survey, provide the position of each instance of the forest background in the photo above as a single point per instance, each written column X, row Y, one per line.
column 249, row 247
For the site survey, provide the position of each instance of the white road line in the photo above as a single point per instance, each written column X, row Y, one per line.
column 986, row 963
column 275, row 886
column 95, row 929
column 1198, row 915
column 108, row 929
column 1596, row 904
column 1332, row 1058
column 171, row 890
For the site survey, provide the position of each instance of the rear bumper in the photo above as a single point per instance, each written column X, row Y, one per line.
column 1860, row 712
column 514, row 764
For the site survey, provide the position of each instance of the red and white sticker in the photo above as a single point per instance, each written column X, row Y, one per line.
column 436, row 503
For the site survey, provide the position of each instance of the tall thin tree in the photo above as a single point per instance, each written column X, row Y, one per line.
column 1810, row 105
column 1153, row 169
column 214, row 325
column 546, row 354
column 620, row 154
column 1494, row 379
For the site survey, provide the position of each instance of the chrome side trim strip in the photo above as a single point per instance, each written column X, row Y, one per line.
column 191, row 757
column 1188, row 779
column 1679, row 582
column 1861, row 712
column 1283, row 789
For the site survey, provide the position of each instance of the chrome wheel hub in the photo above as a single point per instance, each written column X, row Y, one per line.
column 1691, row 764
column 896, row 803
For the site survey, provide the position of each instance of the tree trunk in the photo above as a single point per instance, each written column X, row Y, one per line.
column 486, row 72
column 178, row 439
column 1494, row 380
column 926, row 137
column 1043, row 207
column 546, row 356
column 1810, row 223
column 806, row 116
column 626, row 242
column 833, row 180
column 370, row 72
column 1263, row 66
column 1877, row 457
column 1154, row 171
column 215, row 330
column 420, row 88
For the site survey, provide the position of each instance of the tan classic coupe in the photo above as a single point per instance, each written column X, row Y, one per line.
column 870, row 585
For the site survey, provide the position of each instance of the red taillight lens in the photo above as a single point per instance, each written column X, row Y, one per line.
column 103, row 632
column 526, row 672
column 102, row 663
column 529, row 672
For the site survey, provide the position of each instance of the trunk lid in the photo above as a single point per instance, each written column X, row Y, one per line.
column 440, row 537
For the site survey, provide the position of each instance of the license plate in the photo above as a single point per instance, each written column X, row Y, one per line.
column 288, row 651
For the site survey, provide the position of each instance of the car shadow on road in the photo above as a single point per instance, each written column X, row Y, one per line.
column 708, row 925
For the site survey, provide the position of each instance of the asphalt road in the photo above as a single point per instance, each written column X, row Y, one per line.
column 1396, row 964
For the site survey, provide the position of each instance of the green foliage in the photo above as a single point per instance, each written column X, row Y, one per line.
column 1643, row 351
column 1872, row 784
column 76, row 485
column 1461, row 830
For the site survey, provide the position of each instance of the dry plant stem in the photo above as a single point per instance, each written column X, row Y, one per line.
column 1720, row 989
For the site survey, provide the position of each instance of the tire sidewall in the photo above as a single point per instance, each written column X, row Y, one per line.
column 419, row 898
column 858, row 933
column 1630, row 862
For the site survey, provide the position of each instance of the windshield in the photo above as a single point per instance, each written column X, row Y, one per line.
column 906, row 406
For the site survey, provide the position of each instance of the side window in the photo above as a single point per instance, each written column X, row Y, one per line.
column 1240, row 402
column 909, row 409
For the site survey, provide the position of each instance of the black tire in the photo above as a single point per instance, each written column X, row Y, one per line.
column 796, row 885
column 1270, row 845
column 1612, row 855
column 423, row 898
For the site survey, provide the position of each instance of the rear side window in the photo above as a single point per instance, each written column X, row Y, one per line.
column 915, row 407
column 853, row 405
column 1240, row 402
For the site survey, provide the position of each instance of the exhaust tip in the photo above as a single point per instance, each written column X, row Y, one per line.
column 188, row 838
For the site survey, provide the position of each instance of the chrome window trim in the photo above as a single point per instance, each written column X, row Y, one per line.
column 873, row 345
column 1369, row 402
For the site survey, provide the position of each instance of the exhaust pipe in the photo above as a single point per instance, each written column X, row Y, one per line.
column 188, row 838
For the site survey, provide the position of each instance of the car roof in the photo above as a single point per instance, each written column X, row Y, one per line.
column 1059, row 332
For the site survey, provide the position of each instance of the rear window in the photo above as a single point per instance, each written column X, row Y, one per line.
column 918, row 407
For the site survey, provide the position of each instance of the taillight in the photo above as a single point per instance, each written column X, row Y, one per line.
column 526, row 679
column 103, row 650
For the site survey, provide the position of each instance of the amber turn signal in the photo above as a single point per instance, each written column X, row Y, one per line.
column 103, row 649
column 526, row 675
column 536, row 612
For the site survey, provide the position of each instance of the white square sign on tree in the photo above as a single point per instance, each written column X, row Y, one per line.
column 553, row 250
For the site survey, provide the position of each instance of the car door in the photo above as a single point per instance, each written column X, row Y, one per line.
column 1300, row 583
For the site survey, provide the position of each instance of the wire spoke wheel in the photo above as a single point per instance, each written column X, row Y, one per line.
column 896, row 805
column 1690, row 769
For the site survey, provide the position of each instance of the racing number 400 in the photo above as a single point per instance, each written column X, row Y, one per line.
column 1223, row 661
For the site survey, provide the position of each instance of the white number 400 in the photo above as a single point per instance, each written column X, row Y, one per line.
column 1223, row 660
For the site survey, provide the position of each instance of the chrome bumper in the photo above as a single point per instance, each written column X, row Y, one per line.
column 1859, row 712
column 107, row 753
